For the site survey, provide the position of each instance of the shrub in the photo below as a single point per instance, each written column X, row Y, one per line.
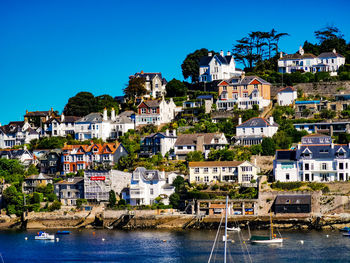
column 38, row 197
column 215, row 187
column 56, row 205
column 286, row 185
column 80, row 202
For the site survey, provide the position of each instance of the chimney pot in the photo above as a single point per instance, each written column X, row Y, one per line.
column 221, row 53
column 228, row 53
column 239, row 120
column 271, row 120
column 210, row 54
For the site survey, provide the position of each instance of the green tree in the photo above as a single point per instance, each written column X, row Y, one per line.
column 56, row 205
column 174, row 200
column 108, row 102
column 176, row 88
column 112, row 198
column 13, row 200
column 195, row 156
column 190, row 66
column 32, row 170
column 327, row 114
column 268, row 146
column 179, row 183
column 135, row 88
column 81, row 104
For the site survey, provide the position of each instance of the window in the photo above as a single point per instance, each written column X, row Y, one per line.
column 245, row 87
column 143, row 110
column 245, row 95
column 197, row 178
column 306, row 166
column 253, row 130
column 206, row 169
column 243, row 130
column 151, row 191
column 341, row 166
column 247, row 168
column 216, row 141
column 287, row 176
column 154, row 110
column 224, row 88
column 246, row 177
column 206, row 178
column 215, row 170
column 179, row 147
column 196, row 170
column 324, row 166
column 189, row 147
column 223, row 169
column 262, row 130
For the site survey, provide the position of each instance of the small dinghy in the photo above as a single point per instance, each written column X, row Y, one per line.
column 62, row 232
column 347, row 234
column 44, row 236
column 237, row 229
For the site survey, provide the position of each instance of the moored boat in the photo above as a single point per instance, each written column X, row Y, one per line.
column 62, row 232
column 44, row 236
column 272, row 239
column 345, row 229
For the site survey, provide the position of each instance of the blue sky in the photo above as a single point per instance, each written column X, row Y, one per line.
column 51, row 50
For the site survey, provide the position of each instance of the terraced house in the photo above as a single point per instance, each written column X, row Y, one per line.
column 243, row 91
column 81, row 157
column 222, row 171
column 316, row 159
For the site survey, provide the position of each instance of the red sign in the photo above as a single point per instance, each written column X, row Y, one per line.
column 98, row 178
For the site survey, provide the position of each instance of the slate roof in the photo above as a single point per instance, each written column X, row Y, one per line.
column 215, row 164
column 204, row 61
column 297, row 56
column 293, row 200
column 92, row 118
column 65, row 120
column 38, row 114
column 74, row 180
column 191, row 139
column 148, row 175
column 323, row 151
column 289, row 155
column 38, row 177
column 287, row 89
column 330, row 55
column 257, row 122
column 14, row 153
column 151, row 103
column 246, row 80
column 160, row 134
column 205, row 97
column 149, row 74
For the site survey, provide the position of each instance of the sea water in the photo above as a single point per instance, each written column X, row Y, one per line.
column 171, row 246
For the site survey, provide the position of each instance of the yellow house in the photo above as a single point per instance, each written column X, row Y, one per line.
column 244, row 91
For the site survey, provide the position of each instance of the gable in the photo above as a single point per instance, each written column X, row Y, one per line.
column 223, row 83
column 142, row 105
column 254, row 82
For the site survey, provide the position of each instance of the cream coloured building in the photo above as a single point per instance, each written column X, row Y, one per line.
column 223, row 171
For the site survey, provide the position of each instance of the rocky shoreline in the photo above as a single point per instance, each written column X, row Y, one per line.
column 153, row 220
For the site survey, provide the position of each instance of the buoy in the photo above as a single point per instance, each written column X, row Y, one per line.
column 164, row 240
column 327, row 236
column 57, row 239
column 103, row 239
column 26, row 238
column 302, row 241
column 93, row 233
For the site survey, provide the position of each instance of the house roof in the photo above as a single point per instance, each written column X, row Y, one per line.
column 246, row 80
column 148, row 175
column 215, row 164
column 151, row 75
column 38, row 177
column 330, row 55
column 257, row 122
column 191, row 139
column 287, row 89
column 205, row 97
column 293, row 200
column 106, row 148
column 289, row 155
column 65, row 120
column 151, row 103
column 205, row 60
column 38, row 113
column 93, row 117
column 324, row 151
column 162, row 134
column 297, row 56
column 71, row 181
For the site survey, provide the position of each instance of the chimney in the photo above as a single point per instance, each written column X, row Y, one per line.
column 167, row 132
column 271, row 120
column 174, row 133
column 301, row 50
column 51, row 109
column 299, row 145
column 141, row 71
column 332, row 145
column 239, row 120
column 221, row 53
column 334, row 51
column 0, row 124
column 200, row 143
column 210, row 54
column 228, row 53
column 113, row 114
column 62, row 117
column 255, row 161
column 162, row 174
column 105, row 117
column 281, row 54
column 26, row 111
column 25, row 119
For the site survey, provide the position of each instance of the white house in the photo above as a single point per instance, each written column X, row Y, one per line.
column 217, row 67
column 155, row 112
column 160, row 142
column 253, row 131
column 101, row 126
column 223, row 171
column 316, row 159
column 154, row 84
column 60, row 126
column 202, row 142
column 286, row 96
column 17, row 133
column 147, row 185
column 24, row 156
column 305, row 62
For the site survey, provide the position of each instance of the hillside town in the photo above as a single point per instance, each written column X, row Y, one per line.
column 168, row 145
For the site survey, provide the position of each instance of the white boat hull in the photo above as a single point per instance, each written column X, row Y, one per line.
column 271, row 241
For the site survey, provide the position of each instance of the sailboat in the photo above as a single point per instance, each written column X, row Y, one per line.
column 272, row 239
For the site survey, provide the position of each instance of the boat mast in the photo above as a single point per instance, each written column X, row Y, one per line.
column 271, row 225
column 226, row 228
